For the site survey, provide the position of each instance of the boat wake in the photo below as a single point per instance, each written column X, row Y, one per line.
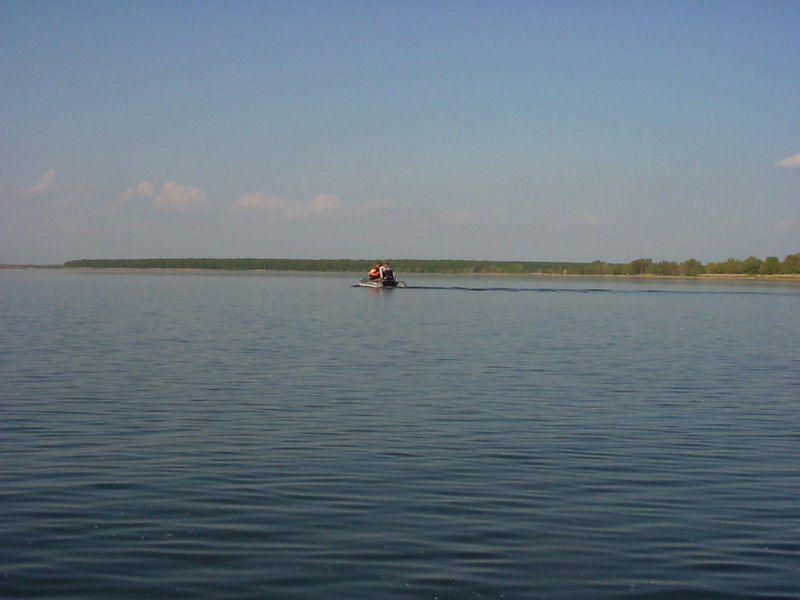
column 550, row 290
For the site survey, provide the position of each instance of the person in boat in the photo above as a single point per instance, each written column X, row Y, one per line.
column 375, row 272
column 386, row 272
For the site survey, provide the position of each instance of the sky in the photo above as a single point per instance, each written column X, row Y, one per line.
column 513, row 130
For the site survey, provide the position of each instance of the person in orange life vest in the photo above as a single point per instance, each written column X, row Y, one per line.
column 375, row 273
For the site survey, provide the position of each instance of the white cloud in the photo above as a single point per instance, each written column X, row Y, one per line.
column 143, row 189
column 792, row 162
column 176, row 196
column 321, row 204
column 46, row 183
column 59, row 194
column 288, row 209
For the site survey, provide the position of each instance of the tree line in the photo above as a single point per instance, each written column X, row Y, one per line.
column 222, row 264
column 751, row 265
column 342, row 265
column 641, row 266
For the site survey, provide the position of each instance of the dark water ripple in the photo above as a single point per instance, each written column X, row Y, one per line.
column 593, row 290
column 212, row 436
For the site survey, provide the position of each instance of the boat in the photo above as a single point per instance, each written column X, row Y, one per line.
column 382, row 283
column 381, row 276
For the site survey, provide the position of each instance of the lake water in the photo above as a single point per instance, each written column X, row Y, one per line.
column 286, row 436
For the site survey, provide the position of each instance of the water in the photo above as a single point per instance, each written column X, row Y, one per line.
column 200, row 435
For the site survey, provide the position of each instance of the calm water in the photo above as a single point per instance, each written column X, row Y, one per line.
column 197, row 435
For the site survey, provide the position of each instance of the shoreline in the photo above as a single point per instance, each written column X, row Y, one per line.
column 708, row 276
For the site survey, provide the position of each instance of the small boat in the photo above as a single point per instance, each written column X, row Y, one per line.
column 382, row 283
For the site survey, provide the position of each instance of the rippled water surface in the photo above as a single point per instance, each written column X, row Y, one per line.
column 199, row 435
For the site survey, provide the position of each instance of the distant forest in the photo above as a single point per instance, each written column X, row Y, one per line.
column 641, row 266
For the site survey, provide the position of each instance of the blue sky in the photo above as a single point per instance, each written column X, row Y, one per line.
column 481, row 130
